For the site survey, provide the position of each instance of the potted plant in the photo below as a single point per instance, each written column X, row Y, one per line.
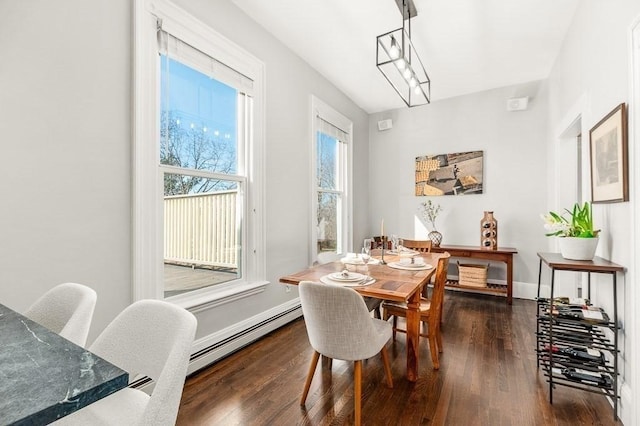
column 430, row 212
column 578, row 238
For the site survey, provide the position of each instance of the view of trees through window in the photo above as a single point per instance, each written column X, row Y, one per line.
column 198, row 140
column 329, row 200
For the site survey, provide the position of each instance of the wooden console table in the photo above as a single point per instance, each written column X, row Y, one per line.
column 502, row 254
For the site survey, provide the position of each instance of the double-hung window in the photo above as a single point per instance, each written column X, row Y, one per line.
column 332, row 180
column 198, row 213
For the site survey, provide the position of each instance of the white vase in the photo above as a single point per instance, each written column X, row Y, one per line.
column 574, row 248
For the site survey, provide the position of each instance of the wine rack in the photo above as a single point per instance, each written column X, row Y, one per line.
column 558, row 331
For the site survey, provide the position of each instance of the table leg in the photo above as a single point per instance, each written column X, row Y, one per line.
column 510, row 280
column 413, row 336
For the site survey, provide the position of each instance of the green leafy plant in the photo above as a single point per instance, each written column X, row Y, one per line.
column 579, row 224
column 430, row 212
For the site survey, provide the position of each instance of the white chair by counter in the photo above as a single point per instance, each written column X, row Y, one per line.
column 340, row 327
column 66, row 309
column 151, row 338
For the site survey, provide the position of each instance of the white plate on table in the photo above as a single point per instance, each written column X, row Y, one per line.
column 365, row 280
column 410, row 266
column 358, row 261
column 346, row 276
column 403, row 253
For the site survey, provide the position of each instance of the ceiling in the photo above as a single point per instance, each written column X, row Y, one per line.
column 466, row 46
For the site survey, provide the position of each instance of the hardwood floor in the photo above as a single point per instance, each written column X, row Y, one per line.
column 487, row 376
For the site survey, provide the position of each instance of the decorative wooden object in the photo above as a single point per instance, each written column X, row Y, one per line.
column 489, row 232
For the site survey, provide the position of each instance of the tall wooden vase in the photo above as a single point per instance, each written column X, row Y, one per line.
column 489, row 232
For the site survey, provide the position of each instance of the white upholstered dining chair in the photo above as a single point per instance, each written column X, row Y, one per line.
column 340, row 327
column 66, row 309
column 151, row 338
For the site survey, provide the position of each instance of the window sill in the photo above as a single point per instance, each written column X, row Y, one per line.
column 219, row 295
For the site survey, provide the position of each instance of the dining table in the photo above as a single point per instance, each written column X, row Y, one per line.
column 391, row 283
column 44, row 377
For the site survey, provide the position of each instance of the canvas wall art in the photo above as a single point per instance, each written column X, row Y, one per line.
column 449, row 174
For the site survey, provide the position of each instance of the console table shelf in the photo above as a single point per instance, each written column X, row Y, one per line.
column 501, row 254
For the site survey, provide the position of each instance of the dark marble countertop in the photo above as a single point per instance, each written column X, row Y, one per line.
column 44, row 377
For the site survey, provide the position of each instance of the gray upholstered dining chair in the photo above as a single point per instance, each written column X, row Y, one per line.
column 66, row 309
column 340, row 327
column 151, row 338
column 430, row 311
column 373, row 304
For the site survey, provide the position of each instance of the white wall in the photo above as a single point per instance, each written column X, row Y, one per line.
column 515, row 181
column 65, row 126
column 590, row 78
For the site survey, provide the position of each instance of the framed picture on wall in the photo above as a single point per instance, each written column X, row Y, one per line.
column 610, row 158
column 449, row 174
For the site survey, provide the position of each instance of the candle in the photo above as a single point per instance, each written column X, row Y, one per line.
column 382, row 229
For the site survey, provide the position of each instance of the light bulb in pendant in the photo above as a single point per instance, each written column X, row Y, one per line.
column 394, row 50
column 417, row 90
column 406, row 73
column 413, row 83
column 401, row 64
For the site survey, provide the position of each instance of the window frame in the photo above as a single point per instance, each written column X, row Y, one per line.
column 328, row 114
column 148, row 192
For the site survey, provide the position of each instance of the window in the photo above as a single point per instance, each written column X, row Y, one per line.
column 198, row 157
column 332, row 180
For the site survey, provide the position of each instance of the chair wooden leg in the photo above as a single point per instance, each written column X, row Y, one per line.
column 326, row 362
column 387, row 367
column 357, row 391
column 439, row 339
column 395, row 326
column 433, row 347
column 312, row 369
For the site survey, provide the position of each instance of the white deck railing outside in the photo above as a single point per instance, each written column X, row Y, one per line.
column 201, row 229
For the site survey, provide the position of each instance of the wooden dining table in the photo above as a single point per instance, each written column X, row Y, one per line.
column 391, row 284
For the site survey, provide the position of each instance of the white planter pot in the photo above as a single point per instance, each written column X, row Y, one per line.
column 574, row 248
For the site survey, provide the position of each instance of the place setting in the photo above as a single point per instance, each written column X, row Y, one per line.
column 364, row 258
column 412, row 263
column 347, row 279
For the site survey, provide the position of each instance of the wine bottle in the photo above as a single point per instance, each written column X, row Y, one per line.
column 579, row 353
column 589, row 377
column 590, row 314
column 563, row 300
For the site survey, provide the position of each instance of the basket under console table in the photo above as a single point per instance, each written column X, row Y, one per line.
column 501, row 254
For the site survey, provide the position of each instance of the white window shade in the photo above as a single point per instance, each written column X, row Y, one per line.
column 176, row 49
column 330, row 129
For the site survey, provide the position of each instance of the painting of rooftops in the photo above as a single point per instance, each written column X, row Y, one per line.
column 449, row 174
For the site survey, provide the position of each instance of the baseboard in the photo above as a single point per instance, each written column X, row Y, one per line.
column 528, row 291
column 627, row 407
column 213, row 347
column 216, row 346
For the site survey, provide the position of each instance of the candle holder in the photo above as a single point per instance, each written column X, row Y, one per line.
column 382, row 239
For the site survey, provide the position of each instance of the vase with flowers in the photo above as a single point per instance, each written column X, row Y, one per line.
column 578, row 238
column 430, row 211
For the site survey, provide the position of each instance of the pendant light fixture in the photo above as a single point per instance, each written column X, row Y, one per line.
column 398, row 61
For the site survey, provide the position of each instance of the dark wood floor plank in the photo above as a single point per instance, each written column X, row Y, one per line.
column 487, row 376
